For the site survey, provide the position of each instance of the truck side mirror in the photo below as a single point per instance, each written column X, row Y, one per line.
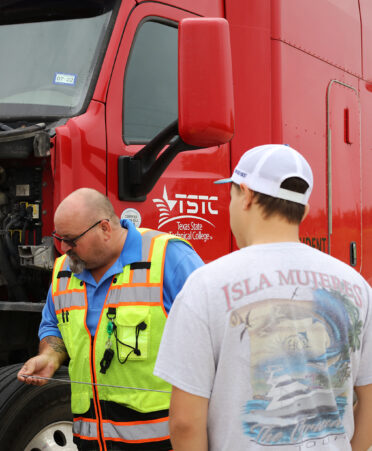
column 206, row 107
column 205, row 82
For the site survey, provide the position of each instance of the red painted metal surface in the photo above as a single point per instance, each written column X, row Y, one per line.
column 80, row 153
column 191, row 206
column 103, row 81
column 299, row 119
column 366, row 27
column 251, row 56
column 366, row 179
column 305, row 108
column 326, row 29
column 214, row 8
column 345, row 184
column 206, row 102
column 285, row 55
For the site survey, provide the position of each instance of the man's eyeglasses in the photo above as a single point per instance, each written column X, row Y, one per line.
column 72, row 241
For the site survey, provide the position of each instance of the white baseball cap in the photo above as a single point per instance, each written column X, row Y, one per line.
column 264, row 168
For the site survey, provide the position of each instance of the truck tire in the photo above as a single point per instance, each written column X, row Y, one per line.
column 34, row 418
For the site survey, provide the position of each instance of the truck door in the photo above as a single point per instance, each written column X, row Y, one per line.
column 344, row 173
column 142, row 100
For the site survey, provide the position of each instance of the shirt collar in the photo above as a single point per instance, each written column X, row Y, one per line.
column 132, row 249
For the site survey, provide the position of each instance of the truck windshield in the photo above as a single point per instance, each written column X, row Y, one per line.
column 48, row 61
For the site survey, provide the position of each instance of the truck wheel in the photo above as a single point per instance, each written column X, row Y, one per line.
column 34, row 418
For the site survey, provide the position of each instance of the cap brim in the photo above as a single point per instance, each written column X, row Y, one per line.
column 219, row 182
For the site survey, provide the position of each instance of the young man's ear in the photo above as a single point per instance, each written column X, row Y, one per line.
column 247, row 195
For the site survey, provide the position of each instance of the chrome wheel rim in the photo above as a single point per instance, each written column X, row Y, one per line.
column 54, row 437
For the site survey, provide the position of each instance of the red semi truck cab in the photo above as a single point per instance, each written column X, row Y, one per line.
column 145, row 103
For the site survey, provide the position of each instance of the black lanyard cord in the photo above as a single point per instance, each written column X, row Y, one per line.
column 137, row 352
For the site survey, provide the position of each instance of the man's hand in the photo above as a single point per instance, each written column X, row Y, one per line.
column 52, row 353
column 36, row 366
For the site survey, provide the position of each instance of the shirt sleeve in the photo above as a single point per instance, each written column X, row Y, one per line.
column 185, row 358
column 48, row 325
column 364, row 376
column 180, row 261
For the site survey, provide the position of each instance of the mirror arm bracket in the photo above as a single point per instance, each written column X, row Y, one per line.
column 138, row 174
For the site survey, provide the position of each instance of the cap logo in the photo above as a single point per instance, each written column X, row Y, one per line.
column 240, row 173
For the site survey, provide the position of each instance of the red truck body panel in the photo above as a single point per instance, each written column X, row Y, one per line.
column 302, row 75
column 206, row 8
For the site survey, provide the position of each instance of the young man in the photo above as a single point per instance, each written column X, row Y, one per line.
column 264, row 346
column 106, row 309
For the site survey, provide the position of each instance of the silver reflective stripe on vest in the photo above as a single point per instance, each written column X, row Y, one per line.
column 146, row 242
column 140, row 275
column 141, row 432
column 133, row 294
column 85, row 428
column 63, row 281
column 67, row 300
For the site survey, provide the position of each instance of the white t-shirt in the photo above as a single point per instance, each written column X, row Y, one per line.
column 276, row 336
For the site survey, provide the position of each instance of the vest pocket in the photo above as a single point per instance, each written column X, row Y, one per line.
column 65, row 329
column 133, row 332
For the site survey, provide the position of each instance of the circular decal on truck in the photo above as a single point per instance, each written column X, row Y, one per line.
column 133, row 215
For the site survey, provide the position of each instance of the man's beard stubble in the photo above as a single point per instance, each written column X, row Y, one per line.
column 77, row 265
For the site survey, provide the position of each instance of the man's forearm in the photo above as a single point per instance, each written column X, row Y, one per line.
column 362, row 438
column 52, row 353
column 188, row 421
column 189, row 439
column 55, row 348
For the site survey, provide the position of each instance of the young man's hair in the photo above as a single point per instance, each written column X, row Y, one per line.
column 293, row 212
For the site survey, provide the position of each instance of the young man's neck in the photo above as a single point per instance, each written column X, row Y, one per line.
column 272, row 230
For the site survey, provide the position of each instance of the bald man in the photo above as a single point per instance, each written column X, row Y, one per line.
column 106, row 308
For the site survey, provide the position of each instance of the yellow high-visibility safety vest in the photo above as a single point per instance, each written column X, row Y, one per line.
column 135, row 304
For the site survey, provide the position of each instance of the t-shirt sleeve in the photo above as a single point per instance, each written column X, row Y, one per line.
column 180, row 261
column 185, row 357
column 48, row 325
column 364, row 376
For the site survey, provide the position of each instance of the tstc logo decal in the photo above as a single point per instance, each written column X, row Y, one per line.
column 185, row 206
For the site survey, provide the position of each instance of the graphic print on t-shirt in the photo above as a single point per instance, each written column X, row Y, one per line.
column 300, row 365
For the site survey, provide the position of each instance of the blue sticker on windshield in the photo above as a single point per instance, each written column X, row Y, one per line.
column 64, row 79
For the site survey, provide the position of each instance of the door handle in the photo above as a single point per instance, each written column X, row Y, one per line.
column 353, row 253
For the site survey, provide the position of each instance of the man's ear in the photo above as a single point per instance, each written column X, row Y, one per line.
column 247, row 195
column 307, row 209
column 106, row 226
